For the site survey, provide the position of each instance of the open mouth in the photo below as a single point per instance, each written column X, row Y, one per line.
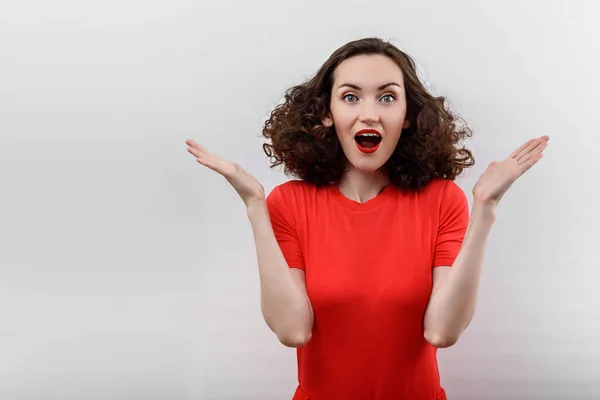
column 367, row 141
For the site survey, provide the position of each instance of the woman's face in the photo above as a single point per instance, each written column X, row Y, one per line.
column 368, row 109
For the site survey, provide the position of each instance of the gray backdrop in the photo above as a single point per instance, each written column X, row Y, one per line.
column 128, row 271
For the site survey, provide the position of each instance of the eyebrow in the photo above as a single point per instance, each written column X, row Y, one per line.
column 353, row 86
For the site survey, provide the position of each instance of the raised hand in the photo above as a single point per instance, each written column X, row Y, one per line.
column 500, row 175
column 249, row 189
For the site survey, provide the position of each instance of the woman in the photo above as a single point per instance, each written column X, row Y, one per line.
column 370, row 261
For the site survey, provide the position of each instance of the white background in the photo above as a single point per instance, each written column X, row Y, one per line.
column 128, row 271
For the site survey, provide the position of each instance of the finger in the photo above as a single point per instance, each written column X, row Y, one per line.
column 204, row 157
column 200, row 151
column 531, row 142
column 210, row 164
column 201, row 156
column 531, row 147
column 217, row 164
column 196, row 146
column 538, row 149
column 192, row 143
column 526, row 149
column 529, row 161
column 517, row 151
column 211, row 160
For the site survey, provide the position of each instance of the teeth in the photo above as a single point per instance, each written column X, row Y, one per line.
column 368, row 134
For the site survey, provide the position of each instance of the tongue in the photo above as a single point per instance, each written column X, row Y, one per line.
column 368, row 142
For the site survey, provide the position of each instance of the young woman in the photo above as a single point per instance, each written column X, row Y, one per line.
column 370, row 260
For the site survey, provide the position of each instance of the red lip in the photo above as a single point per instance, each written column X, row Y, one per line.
column 367, row 150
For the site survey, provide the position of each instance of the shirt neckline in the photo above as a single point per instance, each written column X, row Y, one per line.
column 386, row 194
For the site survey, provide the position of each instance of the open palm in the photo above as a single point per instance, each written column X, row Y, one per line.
column 248, row 188
column 500, row 175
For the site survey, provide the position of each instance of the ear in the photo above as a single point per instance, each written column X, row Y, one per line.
column 406, row 124
column 327, row 121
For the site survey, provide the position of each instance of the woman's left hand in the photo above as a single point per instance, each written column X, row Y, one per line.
column 500, row 175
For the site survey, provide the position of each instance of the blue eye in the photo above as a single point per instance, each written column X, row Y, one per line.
column 349, row 95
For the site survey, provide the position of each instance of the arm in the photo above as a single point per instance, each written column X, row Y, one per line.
column 454, row 294
column 452, row 303
column 284, row 301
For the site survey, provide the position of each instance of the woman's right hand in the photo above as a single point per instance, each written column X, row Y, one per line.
column 249, row 189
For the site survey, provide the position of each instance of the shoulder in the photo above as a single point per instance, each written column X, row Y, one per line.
column 298, row 189
column 293, row 194
column 443, row 196
column 444, row 189
column 293, row 185
column 291, row 189
column 291, row 202
column 451, row 203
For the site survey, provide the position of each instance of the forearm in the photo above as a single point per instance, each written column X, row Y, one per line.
column 452, row 306
column 284, row 305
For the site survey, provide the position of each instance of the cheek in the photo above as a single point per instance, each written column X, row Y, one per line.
column 396, row 120
column 342, row 116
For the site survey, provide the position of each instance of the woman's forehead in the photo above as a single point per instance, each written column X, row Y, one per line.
column 367, row 72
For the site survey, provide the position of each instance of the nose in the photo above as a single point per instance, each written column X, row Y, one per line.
column 369, row 114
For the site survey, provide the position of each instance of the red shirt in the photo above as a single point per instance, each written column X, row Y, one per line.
column 369, row 275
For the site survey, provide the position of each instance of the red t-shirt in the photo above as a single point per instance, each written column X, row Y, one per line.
column 368, row 275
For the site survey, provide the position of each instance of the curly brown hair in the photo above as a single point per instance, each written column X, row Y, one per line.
column 427, row 149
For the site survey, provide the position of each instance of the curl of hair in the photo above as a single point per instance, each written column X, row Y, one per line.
column 429, row 148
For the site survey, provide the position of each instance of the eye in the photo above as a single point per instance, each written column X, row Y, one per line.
column 391, row 97
column 349, row 95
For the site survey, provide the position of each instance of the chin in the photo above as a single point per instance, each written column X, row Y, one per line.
column 366, row 167
column 366, row 163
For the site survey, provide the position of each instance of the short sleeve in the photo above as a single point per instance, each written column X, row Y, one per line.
column 453, row 222
column 282, row 221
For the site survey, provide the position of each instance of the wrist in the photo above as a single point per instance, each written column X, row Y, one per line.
column 485, row 210
column 255, row 207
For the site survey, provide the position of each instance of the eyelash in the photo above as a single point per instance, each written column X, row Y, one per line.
column 385, row 95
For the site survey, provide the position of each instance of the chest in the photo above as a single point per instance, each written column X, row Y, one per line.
column 369, row 259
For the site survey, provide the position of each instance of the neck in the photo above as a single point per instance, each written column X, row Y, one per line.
column 362, row 186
